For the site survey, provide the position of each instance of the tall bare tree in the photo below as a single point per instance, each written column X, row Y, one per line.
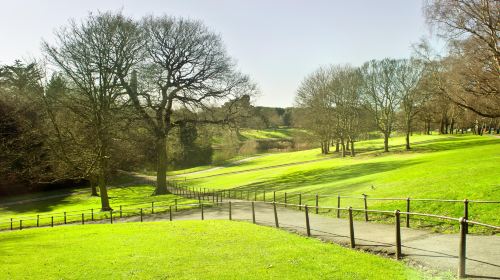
column 89, row 54
column 184, row 66
column 472, row 28
column 381, row 94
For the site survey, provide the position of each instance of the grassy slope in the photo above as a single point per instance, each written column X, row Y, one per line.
column 276, row 133
column 454, row 167
column 74, row 201
column 185, row 250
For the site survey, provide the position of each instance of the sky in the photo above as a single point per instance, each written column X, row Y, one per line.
column 276, row 42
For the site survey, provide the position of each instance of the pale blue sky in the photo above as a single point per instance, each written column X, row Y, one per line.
column 276, row 42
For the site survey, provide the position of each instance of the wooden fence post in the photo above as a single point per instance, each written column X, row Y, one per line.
column 276, row 215
column 408, row 212
column 152, row 207
column 254, row 195
column 64, row 217
column 462, row 248
column 338, row 206
column 37, row 220
column 300, row 201
column 170, row 212
column 10, row 223
column 141, row 214
column 111, row 216
column 175, row 202
column 92, row 214
column 317, row 203
column 274, row 196
column 253, row 212
column 121, row 211
column 230, row 214
column 307, row 221
column 285, row 199
column 366, row 207
column 351, row 228
column 83, row 218
column 398, row 234
column 466, row 214
column 20, row 224
column 52, row 221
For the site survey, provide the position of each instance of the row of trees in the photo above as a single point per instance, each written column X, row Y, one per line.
column 459, row 91
column 115, row 78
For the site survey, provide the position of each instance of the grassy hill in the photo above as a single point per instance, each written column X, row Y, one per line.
column 445, row 167
column 185, row 250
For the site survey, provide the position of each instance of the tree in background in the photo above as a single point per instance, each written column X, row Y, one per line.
column 381, row 94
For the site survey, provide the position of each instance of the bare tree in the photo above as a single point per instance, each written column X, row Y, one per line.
column 89, row 54
column 381, row 94
column 184, row 66
column 473, row 67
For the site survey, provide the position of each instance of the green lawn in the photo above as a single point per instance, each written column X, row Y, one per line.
column 185, row 250
column 446, row 167
column 77, row 201
column 276, row 133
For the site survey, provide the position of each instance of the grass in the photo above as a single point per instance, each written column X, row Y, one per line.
column 445, row 167
column 270, row 133
column 185, row 250
column 73, row 202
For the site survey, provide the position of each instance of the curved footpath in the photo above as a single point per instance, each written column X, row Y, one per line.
column 432, row 251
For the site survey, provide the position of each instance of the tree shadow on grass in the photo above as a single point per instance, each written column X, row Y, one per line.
column 322, row 176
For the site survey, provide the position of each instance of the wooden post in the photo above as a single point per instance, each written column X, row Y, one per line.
column 37, row 220
column 276, row 215
column 466, row 215
column 52, row 221
column 398, row 234
column 83, row 218
column 285, row 199
column 20, row 224
column 121, row 212
column 170, row 212
column 202, row 214
column 351, row 228
column 230, row 214
column 408, row 212
column 462, row 248
column 338, row 206
column 111, row 216
column 64, row 217
column 300, row 201
column 92, row 214
column 175, row 202
column 254, row 195
column 253, row 212
column 307, row 221
column 274, row 196
column 317, row 203
column 10, row 223
column 141, row 214
column 366, row 207
column 152, row 207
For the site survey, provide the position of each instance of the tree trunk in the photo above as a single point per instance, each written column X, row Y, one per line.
column 386, row 142
column 93, row 188
column 161, row 165
column 103, row 190
column 408, row 132
column 337, row 148
column 343, row 146
column 347, row 145
column 352, row 149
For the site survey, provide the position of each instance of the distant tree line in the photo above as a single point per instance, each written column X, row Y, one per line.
column 458, row 92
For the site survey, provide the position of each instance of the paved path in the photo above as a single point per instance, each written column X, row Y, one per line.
column 422, row 248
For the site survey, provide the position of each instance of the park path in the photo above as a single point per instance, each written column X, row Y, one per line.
column 433, row 251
